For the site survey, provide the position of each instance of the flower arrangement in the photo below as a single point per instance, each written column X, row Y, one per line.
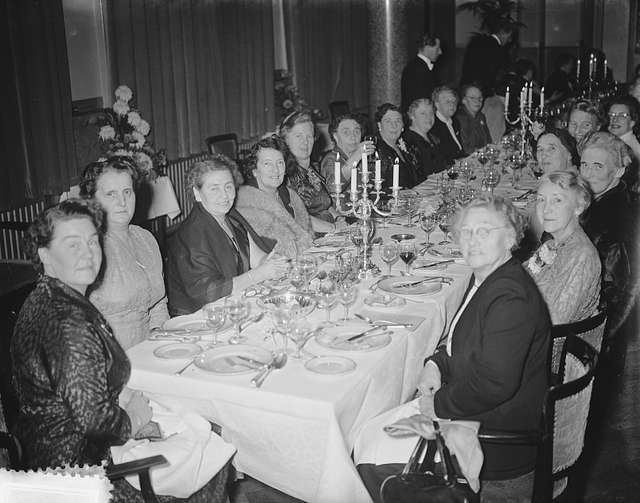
column 125, row 134
column 545, row 255
column 288, row 99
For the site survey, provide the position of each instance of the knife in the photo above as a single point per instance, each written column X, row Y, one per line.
column 434, row 264
column 522, row 196
column 369, row 331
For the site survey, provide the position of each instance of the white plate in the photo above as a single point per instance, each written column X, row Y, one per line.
column 336, row 338
column 428, row 288
column 384, row 300
column 178, row 351
column 195, row 321
column 224, row 359
column 330, row 365
column 445, row 251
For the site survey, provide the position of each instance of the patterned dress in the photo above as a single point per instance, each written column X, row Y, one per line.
column 131, row 295
column 312, row 189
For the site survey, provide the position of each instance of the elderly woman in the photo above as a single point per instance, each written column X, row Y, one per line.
column 421, row 141
column 585, row 118
column 493, row 368
column 274, row 210
column 68, row 369
column 446, row 126
column 474, row 131
column 391, row 147
column 131, row 293
column 298, row 131
column 566, row 268
column 556, row 151
column 623, row 117
column 348, row 148
column 215, row 252
column 611, row 222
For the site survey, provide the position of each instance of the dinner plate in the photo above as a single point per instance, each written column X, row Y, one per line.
column 336, row 338
column 330, row 365
column 384, row 300
column 177, row 351
column 445, row 251
column 233, row 360
column 427, row 288
column 195, row 321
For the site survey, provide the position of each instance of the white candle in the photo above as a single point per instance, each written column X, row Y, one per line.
column 378, row 166
column 604, row 70
column 506, row 102
column 592, row 61
column 336, row 172
column 578, row 70
column 396, row 174
column 530, row 100
column 365, row 168
column 542, row 99
column 354, row 181
column 523, row 98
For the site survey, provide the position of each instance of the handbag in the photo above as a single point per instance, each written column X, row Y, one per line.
column 428, row 481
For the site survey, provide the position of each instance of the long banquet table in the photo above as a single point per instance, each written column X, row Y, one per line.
column 296, row 433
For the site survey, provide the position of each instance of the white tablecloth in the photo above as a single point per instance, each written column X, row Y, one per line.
column 296, row 433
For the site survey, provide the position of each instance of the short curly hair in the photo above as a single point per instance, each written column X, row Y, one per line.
column 336, row 121
column 273, row 142
column 382, row 110
column 415, row 104
column 40, row 233
column 512, row 217
column 617, row 150
column 216, row 162
column 570, row 181
column 591, row 108
column 292, row 120
column 443, row 89
column 93, row 172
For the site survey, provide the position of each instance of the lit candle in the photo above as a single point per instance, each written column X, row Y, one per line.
column 354, row 182
column 365, row 168
column 578, row 70
column 604, row 70
column 523, row 98
column 378, row 166
column 592, row 61
column 542, row 99
column 506, row 102
column 396, row 174
column 530, row 100
column 336, row 172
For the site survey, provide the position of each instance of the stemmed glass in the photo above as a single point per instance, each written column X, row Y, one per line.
column 520, row 162
column 237, row 310
column 412, row 205
column 283, row 316
column 408, row 253
column 355, row 234
column 444, row 222
column 491, row 178
column 452, row 172
column 299, row 332
column 428, row 224
column 296, row 276
column 308, row 268
column 216, row 316
column 389, row 253
column 347, row 294
column 466, row 170
column 483, row 157
column 327, row 297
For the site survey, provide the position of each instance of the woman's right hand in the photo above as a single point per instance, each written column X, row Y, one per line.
column 139, row 411
column 273, row 267
column 367, row 147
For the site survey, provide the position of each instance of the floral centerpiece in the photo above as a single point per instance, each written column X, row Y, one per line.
column 125, row 133
column 288, row 99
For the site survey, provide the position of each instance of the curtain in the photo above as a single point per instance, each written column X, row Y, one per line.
column 36, row 137
column 328, row 50
column 196, row 67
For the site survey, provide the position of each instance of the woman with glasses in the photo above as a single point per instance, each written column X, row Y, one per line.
column 565, row 267
column 473, row 124
column 493, row 366
column 623, row 117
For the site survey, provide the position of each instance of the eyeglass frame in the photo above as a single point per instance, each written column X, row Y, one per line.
column 617, row 115
column 481, row 232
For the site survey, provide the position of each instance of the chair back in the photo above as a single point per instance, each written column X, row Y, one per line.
column 565, row 414
column 338, row 108
column 226, row 144
column 590, row 330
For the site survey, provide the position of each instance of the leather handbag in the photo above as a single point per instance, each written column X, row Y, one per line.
column 428, row 481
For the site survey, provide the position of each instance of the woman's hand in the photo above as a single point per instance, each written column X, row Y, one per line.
column 430, row 379
column 272, row 267
column 138, row 410
column 367, row 147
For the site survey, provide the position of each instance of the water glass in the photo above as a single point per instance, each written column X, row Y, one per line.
column 299, row 332
column 347, row 295
column 492, row 178
column 389, row 253
column 412, row 205
column 308, row 268
column 237, row 309
column 216, row 316
column 282, row 318
column 327, row 297
column 296, row 276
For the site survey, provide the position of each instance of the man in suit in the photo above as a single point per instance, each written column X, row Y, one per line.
column 418, row 77
column 485, row 59
column 446, row 127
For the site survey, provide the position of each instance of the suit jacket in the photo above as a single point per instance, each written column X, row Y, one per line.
column 485, row 62
column 417, row 82
column 430, row 159
column 202, row 261
column 497, row 372
column 449, row 149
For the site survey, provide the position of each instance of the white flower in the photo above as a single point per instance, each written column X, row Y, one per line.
column 107, row 133
column 546, row 254
column 402, row 145
column 138, row 138
column 124, row 93
column 143, row 127
column 143, row 161
column 134, row 118
column 120, row 107
column 533, row 266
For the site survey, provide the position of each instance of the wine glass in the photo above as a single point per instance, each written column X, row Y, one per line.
column 296, row 276
column 355, row 234
column 216, row 316
column 444, row 222
column 327, row 297
column 347, row 295
column 483, row 157
column 492, row 178
column 308, row 268
column 237, row 310
column 299, row 333
column 412, row 205
column 282, row 318
column 389, row 253
column 428, row 224
column 452, row 172
column 408, row 253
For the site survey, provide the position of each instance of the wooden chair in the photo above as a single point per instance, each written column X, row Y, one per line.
column 226, row 144
column 564, row 419
column 338, row 108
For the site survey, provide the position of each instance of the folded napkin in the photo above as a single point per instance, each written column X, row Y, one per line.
column 194, row 453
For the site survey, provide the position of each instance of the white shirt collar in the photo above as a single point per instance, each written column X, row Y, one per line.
column 426, row 60
column 497, row 38
column 443, row 118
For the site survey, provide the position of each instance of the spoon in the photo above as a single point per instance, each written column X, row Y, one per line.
column 279, row 361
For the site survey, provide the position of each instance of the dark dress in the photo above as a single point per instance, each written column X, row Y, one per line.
column 427, row 152
column 474, row 131
column 202, row 260
column 407, row 163
column 417, row 81
column 485, row 61
column 311, row 186
column 448, row 148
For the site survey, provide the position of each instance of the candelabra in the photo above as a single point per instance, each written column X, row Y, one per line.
column 361, row 206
